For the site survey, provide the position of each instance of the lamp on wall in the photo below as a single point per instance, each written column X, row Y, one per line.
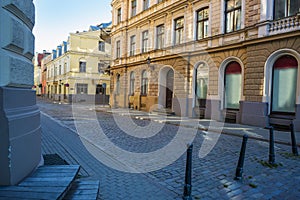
column 148, row 60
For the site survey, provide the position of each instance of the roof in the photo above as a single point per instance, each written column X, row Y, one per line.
column 94, row 28
column 104, row 25
column 101, row 26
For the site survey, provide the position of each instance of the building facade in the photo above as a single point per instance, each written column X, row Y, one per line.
column 75, row 71
column 232, row 60
column 38, row 72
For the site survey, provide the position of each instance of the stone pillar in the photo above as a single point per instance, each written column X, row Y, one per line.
column 20, row 132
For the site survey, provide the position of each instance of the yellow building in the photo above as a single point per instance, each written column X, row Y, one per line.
column 76, row 70
column 232, row 60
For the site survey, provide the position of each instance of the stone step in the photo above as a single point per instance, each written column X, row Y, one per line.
column 85, row 190
column 165, row 112
column 230, row 116
column 47, row 182
column 280, row 123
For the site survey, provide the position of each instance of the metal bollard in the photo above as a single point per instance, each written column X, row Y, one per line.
column 294, row 143
column 239, row 168
column 271, row 146
column 188, row 175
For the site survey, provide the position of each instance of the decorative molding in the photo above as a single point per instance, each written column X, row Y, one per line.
column 24, row 10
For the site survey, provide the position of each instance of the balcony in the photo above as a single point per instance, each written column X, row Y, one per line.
column 287, row 24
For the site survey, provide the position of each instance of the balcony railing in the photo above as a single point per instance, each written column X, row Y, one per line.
column 285, row 25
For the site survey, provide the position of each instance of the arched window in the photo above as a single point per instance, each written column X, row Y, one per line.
column 284, row 84
column 131, row 84
column 118, row 84
column 144, row 86
column 232, row 85
column 201, row 84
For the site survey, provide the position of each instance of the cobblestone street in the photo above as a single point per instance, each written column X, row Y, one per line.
column 69, row 131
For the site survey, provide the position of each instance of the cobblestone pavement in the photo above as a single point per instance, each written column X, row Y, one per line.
column 212, row 176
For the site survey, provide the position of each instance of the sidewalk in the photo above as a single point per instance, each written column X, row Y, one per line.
column 257, row 133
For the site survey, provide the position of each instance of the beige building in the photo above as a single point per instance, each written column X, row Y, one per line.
column 232, row 60
column 76, row 70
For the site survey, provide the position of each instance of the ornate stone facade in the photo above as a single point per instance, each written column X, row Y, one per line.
column 222, row 54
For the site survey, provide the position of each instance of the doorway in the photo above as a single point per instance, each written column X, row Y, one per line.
column 169, row 88
column 166, row 87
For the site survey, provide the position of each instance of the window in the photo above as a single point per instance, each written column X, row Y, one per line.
column 145, row 41
column 160, row 31
column 82, row 66
column 118, row 49
column 59, row 70
column 201, row 84
column 65, row 68
column 144, row 88
column 101, row 46
column 100, row 89
column 131, row 85
column 202, row 23
column 55, row 71
column 81, row 88
column 284, row 84
column 133, row 8
column 101, row 67
column 145, row 4
column 285, row 8
column 118, row 84
column 119, row 15
column 233, row 82
column 132, row 45
column 233, row 15
column 178, row 29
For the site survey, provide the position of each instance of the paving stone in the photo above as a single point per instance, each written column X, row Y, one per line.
column 212, row 176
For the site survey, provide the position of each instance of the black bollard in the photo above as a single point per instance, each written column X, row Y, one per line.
column 271, row 146
column 294, row 143
column 239, row 168
column 188, row 175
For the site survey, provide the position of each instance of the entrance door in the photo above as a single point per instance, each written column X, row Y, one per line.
column 169, row 88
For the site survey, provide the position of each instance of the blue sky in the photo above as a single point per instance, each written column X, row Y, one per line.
column 55, row 19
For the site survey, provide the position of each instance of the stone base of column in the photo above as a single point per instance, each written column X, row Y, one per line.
column 20, row 134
